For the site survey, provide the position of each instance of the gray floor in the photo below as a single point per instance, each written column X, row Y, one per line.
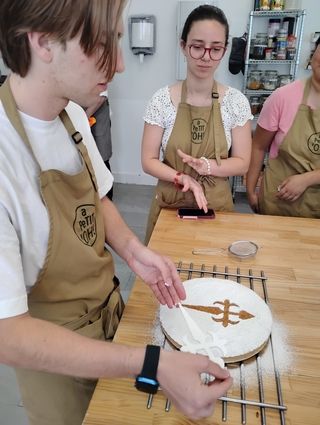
column 133, row 202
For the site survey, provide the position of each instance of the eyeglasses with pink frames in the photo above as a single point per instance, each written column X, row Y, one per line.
column 197, row 51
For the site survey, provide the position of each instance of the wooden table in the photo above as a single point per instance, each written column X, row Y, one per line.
column 289, row 255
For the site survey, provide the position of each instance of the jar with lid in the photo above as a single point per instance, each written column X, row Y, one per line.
column 268, row 54
column 284, row 79
column 291, row 53
column 270, row 80
column 263, row 98
column 282, row 35
column 260, row 44
column 264, row 5
column 261, row 38
column 258, row 51
column 277, row 5
column 281, row 55
column 254, row 80
column 255, row 104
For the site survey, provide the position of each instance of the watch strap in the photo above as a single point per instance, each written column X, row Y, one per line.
column 151, row 361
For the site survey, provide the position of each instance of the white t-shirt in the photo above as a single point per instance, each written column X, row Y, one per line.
column 235, row 111
column 24, row 223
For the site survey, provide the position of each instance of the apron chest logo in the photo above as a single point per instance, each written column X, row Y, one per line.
column 84, row 224
column 314, row 143
column 198, row 129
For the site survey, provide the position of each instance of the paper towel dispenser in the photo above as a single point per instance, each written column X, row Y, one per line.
column 142, row 34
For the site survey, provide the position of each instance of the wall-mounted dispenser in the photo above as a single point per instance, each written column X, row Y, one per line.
column 142, row 35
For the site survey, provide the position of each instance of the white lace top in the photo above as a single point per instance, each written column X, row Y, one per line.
column 235, row 111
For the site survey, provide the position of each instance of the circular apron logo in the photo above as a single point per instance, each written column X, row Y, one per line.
column 84, row 224
column 314, row 143
column 198, row 129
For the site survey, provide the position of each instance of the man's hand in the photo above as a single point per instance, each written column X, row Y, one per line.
column 158, row 272
column 179, row 377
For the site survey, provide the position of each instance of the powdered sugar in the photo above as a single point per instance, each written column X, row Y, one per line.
column 282, row 361
column 232, row 312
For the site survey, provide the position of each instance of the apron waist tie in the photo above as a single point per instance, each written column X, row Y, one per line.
column 95, row 313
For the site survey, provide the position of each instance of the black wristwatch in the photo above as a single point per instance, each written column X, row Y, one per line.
column 147, row 380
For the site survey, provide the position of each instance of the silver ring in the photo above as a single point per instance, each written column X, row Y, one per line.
column 206, row 378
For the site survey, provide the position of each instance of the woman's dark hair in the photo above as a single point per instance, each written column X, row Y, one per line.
column 318, row 42
column 202, row 13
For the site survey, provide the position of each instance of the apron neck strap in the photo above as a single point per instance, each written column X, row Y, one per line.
column 306, row 91
column 73, row 133
column 11, row 110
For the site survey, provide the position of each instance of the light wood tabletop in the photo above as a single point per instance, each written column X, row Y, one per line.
column 285, row 270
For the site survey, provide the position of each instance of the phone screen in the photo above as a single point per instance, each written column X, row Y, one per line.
column 195, row 213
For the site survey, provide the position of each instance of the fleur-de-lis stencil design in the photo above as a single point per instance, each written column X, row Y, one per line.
column 214, row 311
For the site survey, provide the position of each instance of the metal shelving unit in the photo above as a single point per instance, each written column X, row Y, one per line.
column 299, row 16
column 291, row 65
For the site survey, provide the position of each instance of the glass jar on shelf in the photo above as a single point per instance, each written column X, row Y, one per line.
column 268, row 53
column 254, row 80
column 270, row 80
column 254, row 104
column 264, row 5
column 284, row 79
column 291, row 53
column 259, row 46
column 281, row 55
column 261, row 38
column 263, row 98
column 277, row 5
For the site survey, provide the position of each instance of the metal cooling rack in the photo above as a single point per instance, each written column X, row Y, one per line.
column 253, row 281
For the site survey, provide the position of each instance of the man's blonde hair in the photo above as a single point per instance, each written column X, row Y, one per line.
column 95, row 21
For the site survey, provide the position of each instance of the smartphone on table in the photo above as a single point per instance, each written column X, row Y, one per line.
column 195, row 213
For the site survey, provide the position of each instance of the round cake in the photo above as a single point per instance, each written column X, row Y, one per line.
column 218, row 314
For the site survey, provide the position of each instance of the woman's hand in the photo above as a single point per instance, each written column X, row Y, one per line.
column 292, row 187
column 198, row 164
column 158, row 272
column 189, row 183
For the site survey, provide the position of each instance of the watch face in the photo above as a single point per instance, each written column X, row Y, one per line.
column 147, row 385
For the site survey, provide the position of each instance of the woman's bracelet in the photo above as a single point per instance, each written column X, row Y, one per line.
column 206, row 160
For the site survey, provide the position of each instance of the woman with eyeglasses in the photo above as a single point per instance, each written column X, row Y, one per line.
column 201, row 127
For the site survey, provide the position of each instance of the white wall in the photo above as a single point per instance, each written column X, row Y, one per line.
column 130, row 91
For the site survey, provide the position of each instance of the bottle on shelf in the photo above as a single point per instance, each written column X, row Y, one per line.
column 277, row 5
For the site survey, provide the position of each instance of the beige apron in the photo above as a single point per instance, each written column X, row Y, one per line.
column 197, row 131
column 75, row 288
column 298, row 153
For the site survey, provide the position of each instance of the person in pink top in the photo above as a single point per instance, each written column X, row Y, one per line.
column 289, row 129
